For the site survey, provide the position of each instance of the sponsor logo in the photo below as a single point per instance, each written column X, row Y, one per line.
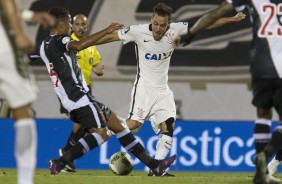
column 158, row 57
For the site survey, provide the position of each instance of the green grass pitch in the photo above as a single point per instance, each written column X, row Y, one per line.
column 42, row 176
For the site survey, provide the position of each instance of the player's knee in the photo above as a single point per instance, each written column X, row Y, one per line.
column 23, row 112
column 133, row 125
column 264, row 113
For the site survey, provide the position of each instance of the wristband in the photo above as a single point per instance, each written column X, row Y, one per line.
column 27, row 15
column 186, row 39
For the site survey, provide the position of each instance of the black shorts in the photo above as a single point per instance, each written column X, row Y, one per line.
column 95, row 115
column 267, row 93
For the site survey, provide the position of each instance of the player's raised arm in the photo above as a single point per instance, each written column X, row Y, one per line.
column 225, row 20
column 93, row 39
column 205, row 21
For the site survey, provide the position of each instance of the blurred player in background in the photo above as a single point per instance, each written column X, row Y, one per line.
column 89, row 60
column 17, row 86
column 151, row 97
column 266, row 72
column 58, row 53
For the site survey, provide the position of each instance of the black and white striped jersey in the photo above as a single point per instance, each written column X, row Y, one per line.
column 266, row 53
column 65, row 74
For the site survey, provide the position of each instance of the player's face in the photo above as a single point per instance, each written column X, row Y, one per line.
column 67, row 26
column 79, row 26
column 159, row 26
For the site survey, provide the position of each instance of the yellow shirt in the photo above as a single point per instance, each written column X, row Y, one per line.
column 87, row 59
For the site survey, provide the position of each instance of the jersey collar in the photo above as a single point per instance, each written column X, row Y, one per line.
column 74, row 37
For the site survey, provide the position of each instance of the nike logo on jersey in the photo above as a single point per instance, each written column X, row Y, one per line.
column 147, row 40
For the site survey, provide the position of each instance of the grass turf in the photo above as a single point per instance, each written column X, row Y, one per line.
column 8, row 176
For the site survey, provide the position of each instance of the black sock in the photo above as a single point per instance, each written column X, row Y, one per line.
column 275, row 142
column 82, row 147
column 131, row 144
column 260, row 141
column 74, row 138
column 279, row 155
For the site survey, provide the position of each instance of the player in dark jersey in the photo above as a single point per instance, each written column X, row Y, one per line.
column 58, row 53
column 266, row 72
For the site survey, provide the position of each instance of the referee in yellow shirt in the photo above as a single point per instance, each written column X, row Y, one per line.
column 89, row 60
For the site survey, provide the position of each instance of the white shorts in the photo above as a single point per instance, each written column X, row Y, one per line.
column 156, row 105
column 17, row 89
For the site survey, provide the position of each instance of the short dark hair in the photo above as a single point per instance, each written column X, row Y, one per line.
column 163, row 10
column 59, row 12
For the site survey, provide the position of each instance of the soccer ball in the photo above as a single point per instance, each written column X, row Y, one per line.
column 121, row 163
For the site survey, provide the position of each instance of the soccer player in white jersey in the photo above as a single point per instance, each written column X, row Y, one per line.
column 151, row 97
column 16, row 87
column 266, row 72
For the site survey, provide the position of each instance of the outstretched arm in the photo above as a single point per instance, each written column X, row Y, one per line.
column 108, row 38
column 94, row 38
column 205, row 21
column 225, row 20
column 212, row 16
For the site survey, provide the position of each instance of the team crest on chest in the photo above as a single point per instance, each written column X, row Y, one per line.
column 91, row 60
column 169, row 37
column 140, row 113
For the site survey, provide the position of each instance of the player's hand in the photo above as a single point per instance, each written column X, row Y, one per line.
column 183, row 40
column 239, row 16
column 176, row 41
column 44, row 18
column 99, row 69
column 113, row 27
column 24, row 43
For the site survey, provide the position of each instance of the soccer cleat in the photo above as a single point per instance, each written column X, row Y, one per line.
column 55, row 167
column 70, row 167
column 163, row 165
column 260, row 176
column 272, row 180
column 150, row 173
column 273, row 166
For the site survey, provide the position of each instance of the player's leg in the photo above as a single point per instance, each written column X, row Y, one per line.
column 265, row 144
column 25, row 143
column 90, row 117
column 165, row 139
column 19, row 91
column 164, row 142
column 131, row 144
column 163, row 111
column 77, row 133
column 277, row 101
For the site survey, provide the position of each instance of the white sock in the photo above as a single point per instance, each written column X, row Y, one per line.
column 25, row 149
column 163, row 146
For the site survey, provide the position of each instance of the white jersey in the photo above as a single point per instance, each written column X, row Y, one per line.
column 153, row 57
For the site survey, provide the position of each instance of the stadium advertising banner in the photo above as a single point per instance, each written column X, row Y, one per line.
column 200, row 145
